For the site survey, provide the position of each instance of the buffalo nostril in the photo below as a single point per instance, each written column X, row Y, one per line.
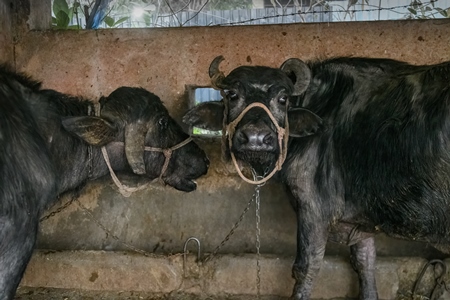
column 268, row 139
column 242, row 137
column 260, row 138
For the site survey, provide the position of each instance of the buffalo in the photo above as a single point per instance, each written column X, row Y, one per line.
column 362, row 145
column 52, row 143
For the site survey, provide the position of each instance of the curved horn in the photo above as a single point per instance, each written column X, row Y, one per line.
column 134, row 146
column 215, row 74
column 299, row 73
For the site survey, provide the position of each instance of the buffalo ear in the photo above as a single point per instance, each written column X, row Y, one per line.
column 299, row 73
column 93, row 130
column 207, row 115
column 303, row 122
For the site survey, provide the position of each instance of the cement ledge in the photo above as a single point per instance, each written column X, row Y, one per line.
column 224, row 275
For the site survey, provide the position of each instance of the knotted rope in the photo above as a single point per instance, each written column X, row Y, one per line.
column 125, row 190
column 283, row 135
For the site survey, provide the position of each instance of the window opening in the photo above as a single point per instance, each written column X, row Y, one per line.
column 93, row 14
column 199, row 95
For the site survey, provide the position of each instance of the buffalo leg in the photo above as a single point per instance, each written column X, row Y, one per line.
column 311, row 242
column 17, row 239
column 362, row 258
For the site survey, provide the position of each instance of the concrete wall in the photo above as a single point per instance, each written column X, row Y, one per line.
column 93, row 63
column 17, row 17
column 6, row 40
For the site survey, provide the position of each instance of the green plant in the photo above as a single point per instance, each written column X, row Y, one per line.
column 427, row 10
column 112, row 23
column 67, row 11
column 63, row 14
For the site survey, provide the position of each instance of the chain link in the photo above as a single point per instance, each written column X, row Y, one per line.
column 236, row 225
column 227, row 237
column 73, row 199
column 255, row 197
column 59, row 209
column 258, row 243
column 258, row 232
column 109, row 233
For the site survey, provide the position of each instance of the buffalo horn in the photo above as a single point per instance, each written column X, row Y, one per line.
column 299, row 73
column 134, row 146
column 215, row 74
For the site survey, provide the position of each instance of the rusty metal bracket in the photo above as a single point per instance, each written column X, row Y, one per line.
column 185, row 252
column 440, row 285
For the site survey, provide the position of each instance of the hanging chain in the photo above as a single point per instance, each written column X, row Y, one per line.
column 258, row 233
column 255, row 197
column 235, row 226
column 73, row 199
column 258, row 243
column 59, row 209
column 109, row 233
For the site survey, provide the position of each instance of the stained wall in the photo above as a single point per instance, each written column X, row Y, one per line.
column 6, row 34
column 160, row 219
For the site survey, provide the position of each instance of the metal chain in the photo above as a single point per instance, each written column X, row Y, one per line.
column 258, row 243
column 258, row 233
column 59, row 209
column 235, row 226
column 76, row 192
column 109, row 233
column 256, row 198
column 73, row 199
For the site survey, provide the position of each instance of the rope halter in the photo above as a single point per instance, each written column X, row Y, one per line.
column 125, row 190
column 283, row 134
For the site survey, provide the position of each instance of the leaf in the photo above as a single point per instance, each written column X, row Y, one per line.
column 147, row 19
column 120, row 21
column 60, row 5
column 62, row 19
column 413, row 11
column 109, row 21
column 441, row 11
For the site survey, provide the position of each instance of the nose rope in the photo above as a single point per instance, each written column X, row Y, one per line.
column 125, row 190
column 168, row 153
column 283, row 134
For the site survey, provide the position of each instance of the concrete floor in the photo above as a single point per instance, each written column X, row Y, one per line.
column 64, row 294
column 72, row 275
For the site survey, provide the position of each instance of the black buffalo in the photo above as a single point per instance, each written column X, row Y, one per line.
column 49, row 145
column 376, row 160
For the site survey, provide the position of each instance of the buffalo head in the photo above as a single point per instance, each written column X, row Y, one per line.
column 138, row 118
column 263, row 94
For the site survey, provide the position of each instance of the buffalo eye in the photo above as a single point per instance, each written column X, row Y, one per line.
column 283, row 100
column 163, row 121
column 232, row 95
